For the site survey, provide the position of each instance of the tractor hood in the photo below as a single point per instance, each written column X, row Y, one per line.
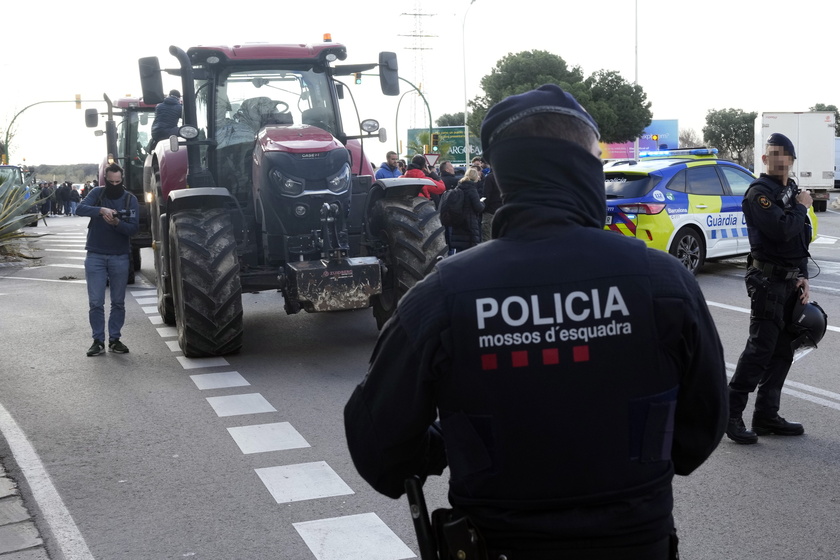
column 297, row 139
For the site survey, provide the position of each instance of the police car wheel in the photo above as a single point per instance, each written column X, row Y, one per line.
column 688, row 247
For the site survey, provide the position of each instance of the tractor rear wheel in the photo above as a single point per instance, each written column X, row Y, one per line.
column 207, row 293
column 410, row 228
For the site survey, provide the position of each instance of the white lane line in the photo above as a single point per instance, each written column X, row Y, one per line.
column 150, row 309
column 353, row 537
column 68, row 265
column 173, row 345
column 195, row 363
column 64, row 529
column 238, row 405
column 167, row 332
column 730, row 369
column 747, row 310
column 305, row 481
column 156, row 319
column 42, row 280
column 223, row 380
column 147, row 300
column 263, row 438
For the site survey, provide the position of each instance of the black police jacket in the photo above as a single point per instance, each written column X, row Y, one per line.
column 779, row 228
column 573, row 371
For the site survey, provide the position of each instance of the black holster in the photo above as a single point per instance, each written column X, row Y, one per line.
column 457, row 537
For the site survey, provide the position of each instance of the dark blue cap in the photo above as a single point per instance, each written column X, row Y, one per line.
column 779, row 139
column 545, row 99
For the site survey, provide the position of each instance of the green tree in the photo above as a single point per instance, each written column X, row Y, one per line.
column 732, row 132
column 621, row 109
column 823, row 107
column 454, row 119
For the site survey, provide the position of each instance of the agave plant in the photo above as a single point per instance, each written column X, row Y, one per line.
column 18, row 207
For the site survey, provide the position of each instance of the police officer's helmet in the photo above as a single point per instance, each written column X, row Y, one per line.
column 808, row 324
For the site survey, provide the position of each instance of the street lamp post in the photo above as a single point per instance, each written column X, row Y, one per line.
column 464, row 61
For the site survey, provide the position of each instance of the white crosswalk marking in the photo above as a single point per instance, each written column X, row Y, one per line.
column 353, row 537
column 305, row 481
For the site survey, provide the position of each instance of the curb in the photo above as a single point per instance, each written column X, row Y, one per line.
column 19, row 536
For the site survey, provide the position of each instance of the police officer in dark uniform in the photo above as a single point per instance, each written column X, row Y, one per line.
column 776, row 213
column 573, row 371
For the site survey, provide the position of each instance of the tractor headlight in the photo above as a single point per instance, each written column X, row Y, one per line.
column 286, row 185
column 340, row 182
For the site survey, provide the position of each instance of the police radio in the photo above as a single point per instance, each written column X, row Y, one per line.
column 789, row 193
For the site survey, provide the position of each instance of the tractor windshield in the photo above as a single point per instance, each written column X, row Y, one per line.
column 248, row 101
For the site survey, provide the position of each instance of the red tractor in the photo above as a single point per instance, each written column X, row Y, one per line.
column 263, row 188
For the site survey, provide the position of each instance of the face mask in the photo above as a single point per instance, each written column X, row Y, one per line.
column 114, row 191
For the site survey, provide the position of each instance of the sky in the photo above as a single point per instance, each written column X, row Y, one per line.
column 755, row 55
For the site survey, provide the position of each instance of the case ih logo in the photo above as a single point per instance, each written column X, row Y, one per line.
column 311, row 156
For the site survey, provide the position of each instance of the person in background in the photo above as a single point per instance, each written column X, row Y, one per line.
column 492, row 202
column 468, row 233
column 389, row 168
column 419, row 169
column 167, row 114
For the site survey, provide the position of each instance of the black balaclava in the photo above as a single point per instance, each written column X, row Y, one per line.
column 543, row 179
column 114, row 192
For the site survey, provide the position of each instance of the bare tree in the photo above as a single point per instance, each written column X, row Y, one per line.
column 689, row 138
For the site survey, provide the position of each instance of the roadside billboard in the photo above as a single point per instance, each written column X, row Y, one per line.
column 661, row 134
column 451, row 143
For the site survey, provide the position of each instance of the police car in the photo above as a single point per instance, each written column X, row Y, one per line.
column 686, row 202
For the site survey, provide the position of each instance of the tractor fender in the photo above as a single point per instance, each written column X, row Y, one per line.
column 391, row 188
column 201, row 197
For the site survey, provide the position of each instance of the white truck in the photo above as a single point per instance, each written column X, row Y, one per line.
column 837, row 163
column 812, row 134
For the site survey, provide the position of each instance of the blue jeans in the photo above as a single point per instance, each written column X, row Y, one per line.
column 99, row 269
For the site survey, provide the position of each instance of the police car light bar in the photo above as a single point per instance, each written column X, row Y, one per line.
column 680, row 152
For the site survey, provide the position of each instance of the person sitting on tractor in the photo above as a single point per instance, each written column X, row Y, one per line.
column 167, row 115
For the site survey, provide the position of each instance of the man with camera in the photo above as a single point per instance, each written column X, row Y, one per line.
column 113, row 214
column 776, row 213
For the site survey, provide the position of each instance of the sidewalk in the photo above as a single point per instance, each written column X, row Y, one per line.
column 19, row 537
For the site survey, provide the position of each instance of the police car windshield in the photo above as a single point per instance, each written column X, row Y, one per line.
column 627, row 185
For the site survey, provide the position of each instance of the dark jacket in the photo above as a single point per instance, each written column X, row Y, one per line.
column 103, row 237
column 468, row 233
column 779, row 230
column 492, row 194
column 573, row 370
column 167, row 115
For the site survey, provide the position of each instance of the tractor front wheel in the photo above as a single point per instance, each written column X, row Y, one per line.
column 207, row 294
column 410, row 228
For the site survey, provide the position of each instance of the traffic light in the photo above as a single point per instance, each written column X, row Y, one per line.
column 78, row 101
column 435, row 142
column 358, row 76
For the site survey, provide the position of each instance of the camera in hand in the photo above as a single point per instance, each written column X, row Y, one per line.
column 123, row 214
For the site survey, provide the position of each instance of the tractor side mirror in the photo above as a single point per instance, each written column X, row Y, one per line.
column 91, row 118
column 389, row 78
column 150, row 80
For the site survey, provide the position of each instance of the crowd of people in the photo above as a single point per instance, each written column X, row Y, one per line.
column 62, row 199
column 482, row 195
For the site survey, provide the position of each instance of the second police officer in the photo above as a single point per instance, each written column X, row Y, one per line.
column 776, row 213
